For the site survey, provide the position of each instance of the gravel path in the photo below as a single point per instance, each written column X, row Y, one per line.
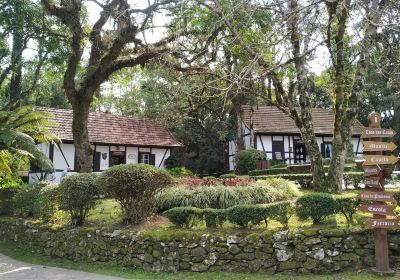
column 11, row 269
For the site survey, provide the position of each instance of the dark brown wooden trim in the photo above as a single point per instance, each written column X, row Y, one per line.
column 262, row 144
column 126, row 145
column 51, row 152
column 162, row 160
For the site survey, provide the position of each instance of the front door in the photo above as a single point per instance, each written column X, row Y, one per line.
column 300, row 154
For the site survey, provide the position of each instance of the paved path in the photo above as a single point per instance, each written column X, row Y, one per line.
column 11, row 269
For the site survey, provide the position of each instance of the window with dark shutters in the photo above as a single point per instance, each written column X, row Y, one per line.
column 147, row 158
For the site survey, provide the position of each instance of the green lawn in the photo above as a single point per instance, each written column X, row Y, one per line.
column 115, row 270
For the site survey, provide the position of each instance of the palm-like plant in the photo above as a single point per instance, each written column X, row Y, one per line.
column 20, row 130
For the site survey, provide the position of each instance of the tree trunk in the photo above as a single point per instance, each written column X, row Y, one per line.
column 338, row 160
column 18, row 46
column 396, row 122
column 317, row 167
column 83, row 151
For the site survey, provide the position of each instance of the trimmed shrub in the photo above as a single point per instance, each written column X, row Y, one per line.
column 397, row 197
column 242, row 215
column 78, row 193
column 347, row 206
column 281, row 212
column 184, row 216
column 25, row 202
column 6, row 199
column 180, row 171
column 134, row 186
column 228, row 176
column 48, row 201
column 214, row 217
column 316, row 206
column 246, row 160
column 353, row 178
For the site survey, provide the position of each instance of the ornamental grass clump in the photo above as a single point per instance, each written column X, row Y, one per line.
column 135, row 187
column 78, row 194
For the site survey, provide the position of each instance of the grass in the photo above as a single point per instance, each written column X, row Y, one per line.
column 118, row 271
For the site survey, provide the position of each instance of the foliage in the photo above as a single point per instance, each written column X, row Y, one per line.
column 397, row 197
column 214, row 217
column 353, row 178
column 221, row 197
column 78, row 193
column 6, row 197
column 48, row 201
column 180, row 171
column 228, row 176
column 347, row 206
column 20, row 131
column 316, row 206
column 246, row 160
column 184, row 216
column 243, row 215
column 281, row 211
column 25, row 201
column 134, row 186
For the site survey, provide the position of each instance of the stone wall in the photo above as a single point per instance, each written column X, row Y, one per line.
column 306, row 251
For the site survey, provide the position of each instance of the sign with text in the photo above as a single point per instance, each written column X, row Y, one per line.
column 378, row 196
column 373, row 182
column 377, row 132
column 382, row 223
column 378, row 209
column 379, row 159
column 371, row 170
column 371, row 146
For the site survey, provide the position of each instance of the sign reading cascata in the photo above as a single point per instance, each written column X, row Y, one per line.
column 378, row 209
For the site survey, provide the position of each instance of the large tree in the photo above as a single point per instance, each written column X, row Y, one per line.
column 299, row 29
column 116, row 40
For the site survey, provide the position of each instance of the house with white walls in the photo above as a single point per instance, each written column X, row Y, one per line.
column 114, row 139
column 269, row 129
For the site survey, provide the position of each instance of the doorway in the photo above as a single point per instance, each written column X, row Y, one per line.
column 300, row 154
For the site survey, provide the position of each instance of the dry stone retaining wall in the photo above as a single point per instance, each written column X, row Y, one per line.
column 306, row 251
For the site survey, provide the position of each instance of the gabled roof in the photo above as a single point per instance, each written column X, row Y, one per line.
column 114, row 129
column 270, row 119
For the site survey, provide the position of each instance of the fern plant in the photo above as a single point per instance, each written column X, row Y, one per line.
column 20, row 130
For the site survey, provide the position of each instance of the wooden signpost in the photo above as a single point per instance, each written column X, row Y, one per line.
column 375, row 176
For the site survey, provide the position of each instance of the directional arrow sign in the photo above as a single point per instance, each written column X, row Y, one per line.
column 378, row 209
column 373, row 182
column 377, row 196
column 371, row 146
column 379, row 159
column 377, row 132
column 371, row 170
column 382, row 223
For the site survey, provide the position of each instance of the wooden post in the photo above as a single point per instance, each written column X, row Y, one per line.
column 375, row 133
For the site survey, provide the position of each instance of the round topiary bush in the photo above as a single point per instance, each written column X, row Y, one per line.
column 246, row 160
column 78, row 193
column 134, row 186
column 316, row 206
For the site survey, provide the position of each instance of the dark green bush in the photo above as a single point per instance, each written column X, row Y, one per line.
column 180, row 171
column 228, row 176
column 246, row 160
column 353, row 178
column 48, row 201
column 25, row 202
column 243, row 215
column 184, row 216
column 347, row 206
column 135, row 186
column 316, row 206
column 272, row 171
column 214, row 217
column 281, row 211
column 6, row 199
column 397, row 197
column 78, row 193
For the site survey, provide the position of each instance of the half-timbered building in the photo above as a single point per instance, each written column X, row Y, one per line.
column 269, row 129
column 114, row 139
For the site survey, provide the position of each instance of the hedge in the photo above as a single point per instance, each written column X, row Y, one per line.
column 305, row 180
column 284, row 170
